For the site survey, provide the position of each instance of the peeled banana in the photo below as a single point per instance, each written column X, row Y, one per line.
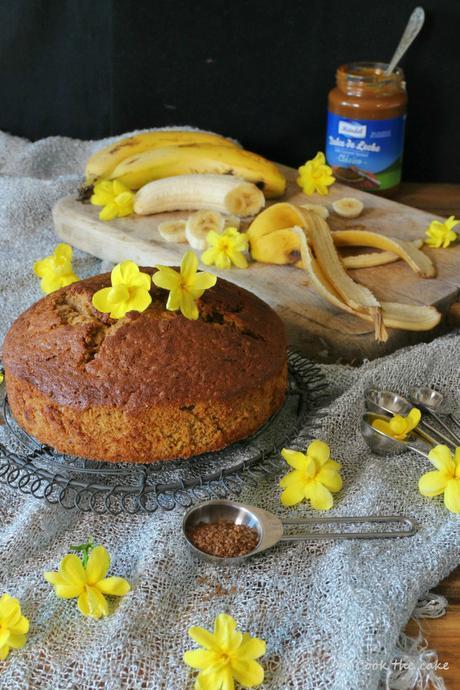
column 321, row 210
column 276, row 217
column 154, row 164
column 199, row 224
column 223, row 193
column 103, row 162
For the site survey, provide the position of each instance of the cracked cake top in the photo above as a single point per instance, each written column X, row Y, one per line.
column 80, row 357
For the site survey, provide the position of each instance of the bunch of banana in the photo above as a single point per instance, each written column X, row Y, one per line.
column 223, row 193
column 286, row 234
column 140, row 159
column 102, row 163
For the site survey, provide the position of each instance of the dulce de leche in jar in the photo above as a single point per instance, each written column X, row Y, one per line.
column 365, row 126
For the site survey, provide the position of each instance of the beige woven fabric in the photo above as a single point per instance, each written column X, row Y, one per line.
column 331, row 613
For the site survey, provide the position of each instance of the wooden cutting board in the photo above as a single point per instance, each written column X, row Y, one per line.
column 314, row 326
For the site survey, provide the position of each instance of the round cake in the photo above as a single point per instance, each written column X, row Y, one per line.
column 150, row 386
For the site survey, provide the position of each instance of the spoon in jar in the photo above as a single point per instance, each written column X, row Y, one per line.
column 411, row 32
column 431, row 401
column 270, row 529
column 384, row 402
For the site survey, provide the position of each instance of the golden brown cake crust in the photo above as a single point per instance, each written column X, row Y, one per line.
column 170, row 385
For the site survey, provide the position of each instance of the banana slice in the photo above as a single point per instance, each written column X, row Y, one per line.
column 199, row 224
column 173, row 230
column 321, row 211
column 348, row 207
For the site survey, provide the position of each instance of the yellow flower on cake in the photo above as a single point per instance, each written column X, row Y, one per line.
column 445, row 479
column 441, row 234
column 315, row 476
column 115, row 197
column 185, row 287
column 130, row 291
column 398, row 427
column 13, row 625
column 228, row 655
column 315, row 176
column 56, row 270
column 86, row 579
column 226, row 249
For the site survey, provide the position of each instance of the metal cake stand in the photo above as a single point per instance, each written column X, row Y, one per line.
column 115, row 488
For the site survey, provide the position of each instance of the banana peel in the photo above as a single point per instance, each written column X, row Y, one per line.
column 394, row 315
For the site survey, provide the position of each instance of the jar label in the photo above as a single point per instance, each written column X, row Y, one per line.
column 366, row 154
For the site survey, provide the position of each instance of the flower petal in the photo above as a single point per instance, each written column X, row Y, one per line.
column 225, row 630
column 101, row 302
column 4, row 637
column 109, row 212
column 83, row 603
column 432, row 483
column 200, row 658
column 174, row 299
column 188, row 306
column 68, row 591
column 124, row 273
column 291, row 478
column 319, row 450
column 248, row 672
column 413, row 418
column 251, row 647
column 97, row 603
column 293, row 494
column 222, row 260
column 208, row 257
column 98, row 564
column 115, row 586
column 204, row 281
column 4, row 651
column 71, row 570
column 330, row 478
column 166, row 278
column 203, row 637
column 237, row 258
column 21, row 627
column 294, row 458
column 441, row 457
column 139, row 299
column 320, row 497
column 452, row 496
column 188, row 266
column 16, row 641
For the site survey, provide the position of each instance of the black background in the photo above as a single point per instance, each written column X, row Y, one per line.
column 257, row 70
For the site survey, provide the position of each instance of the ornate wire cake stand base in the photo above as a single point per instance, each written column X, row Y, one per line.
column 85, row 485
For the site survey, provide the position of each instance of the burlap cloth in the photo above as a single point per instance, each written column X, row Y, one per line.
column 331, row 613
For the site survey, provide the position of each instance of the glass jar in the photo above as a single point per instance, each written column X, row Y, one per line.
column 365, row 126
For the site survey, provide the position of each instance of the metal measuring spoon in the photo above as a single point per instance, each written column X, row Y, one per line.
column 382, row 444
column 430, row 401
column 383, row 401
column 270, row 528
column 411, row 32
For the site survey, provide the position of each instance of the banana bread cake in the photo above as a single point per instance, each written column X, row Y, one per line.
column 149, row 386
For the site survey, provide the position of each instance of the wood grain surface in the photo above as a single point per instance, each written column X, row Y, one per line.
column 443, row 634
column 314, row 326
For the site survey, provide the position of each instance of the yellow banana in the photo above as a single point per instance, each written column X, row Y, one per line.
column 168, row 161
column 103, row 162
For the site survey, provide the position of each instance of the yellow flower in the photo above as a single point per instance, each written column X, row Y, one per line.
column 441, row 234
column 315, row 476
column 398, row 427
column 115, row 197
column 315, row 176
column 445, row 479
column 186, row 287
column 1, row 376
column 129, row 291
column 226, row 249
column 56, row 270
column 85, row 578
column 228, row 655
column 13, row 625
